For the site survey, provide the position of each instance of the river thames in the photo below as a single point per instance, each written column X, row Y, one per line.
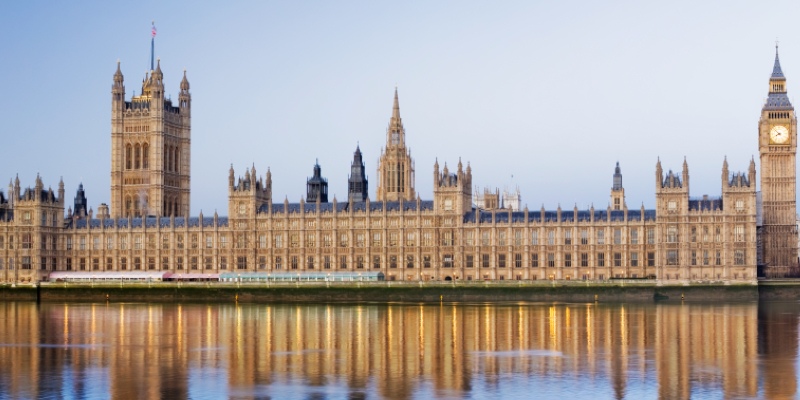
column 399, row 351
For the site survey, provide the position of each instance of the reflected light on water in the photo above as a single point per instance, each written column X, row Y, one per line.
column 285, row 351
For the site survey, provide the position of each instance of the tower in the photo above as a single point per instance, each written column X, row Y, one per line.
column 81, row 207
column 452, row 192
column 150, row 154
column 777, row 147
column 617, row 191
column 396, row 167
column 357, row 185
column 247, row 197
column 317, row 186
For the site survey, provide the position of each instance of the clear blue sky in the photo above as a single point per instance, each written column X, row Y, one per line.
column 553, row 93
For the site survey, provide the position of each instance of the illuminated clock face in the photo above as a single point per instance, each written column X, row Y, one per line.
column 779, row 134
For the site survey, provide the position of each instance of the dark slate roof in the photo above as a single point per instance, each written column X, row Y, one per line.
column 566, row 216
column 278, row 208
column 778, row 102
column 151, row 222
column 734, row 181
column 43, row 195
column 705, row 204
column 777, row 72
column 6, row 214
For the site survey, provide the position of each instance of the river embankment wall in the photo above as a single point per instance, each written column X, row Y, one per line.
column 393, row 292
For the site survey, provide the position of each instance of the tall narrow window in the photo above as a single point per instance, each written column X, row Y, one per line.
column 448, row 239
column 128, row 157
column 138, row 157
column 739, row 233
column 738, row 257
column 535, row 237
column 601, row 239
column 145, row 156
column 672, row 234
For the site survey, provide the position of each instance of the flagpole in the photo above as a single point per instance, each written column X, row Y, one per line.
column 152, row 45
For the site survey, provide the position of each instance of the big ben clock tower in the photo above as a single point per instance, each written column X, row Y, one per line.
column 777, row 144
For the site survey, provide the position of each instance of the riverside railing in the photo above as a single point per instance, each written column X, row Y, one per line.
column 322, row 283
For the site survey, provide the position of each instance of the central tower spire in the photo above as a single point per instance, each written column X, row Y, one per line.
column 396, row 169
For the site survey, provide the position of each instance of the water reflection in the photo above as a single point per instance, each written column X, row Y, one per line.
column 663, row 350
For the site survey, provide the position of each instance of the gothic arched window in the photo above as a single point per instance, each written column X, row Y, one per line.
column 138, row 156
column 145, row 156
column 128, row 157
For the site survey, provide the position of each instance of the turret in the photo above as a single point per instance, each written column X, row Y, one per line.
column 80, row 209
column 185, row 98
column 617, row 191
column 685, row 173
column 17, row 191
column 118, row 91
column 725, row 172
column 357, row 184
column 61, row 190
column 156, row 87
column 436, row 172
column 317, row 186
column 659, row 175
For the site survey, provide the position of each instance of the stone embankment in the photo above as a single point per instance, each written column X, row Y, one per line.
column 427, row 292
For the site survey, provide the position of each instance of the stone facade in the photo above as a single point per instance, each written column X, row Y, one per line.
column 777, row 147
column 682, row 240
column 150, row 149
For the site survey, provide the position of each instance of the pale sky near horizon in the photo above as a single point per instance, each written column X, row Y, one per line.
column 551, row 93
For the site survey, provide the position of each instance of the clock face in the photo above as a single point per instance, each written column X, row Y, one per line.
column 242, row 209
column 779, row 134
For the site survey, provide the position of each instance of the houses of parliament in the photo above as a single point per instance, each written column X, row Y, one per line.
column 456, row 235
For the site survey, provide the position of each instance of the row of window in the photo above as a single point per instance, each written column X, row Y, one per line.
column 310, row 239
column 706, row 257
column 568, row 261
column 697, row 258
column 706, row 234
column 48, row 219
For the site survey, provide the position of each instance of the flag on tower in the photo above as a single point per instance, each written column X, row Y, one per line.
column 154, row 29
